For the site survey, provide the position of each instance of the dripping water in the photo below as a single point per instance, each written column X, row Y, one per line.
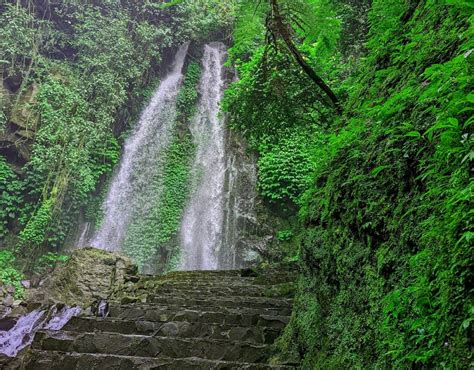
column 83, row 238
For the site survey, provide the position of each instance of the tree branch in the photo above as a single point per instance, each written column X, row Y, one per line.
column 282, row 29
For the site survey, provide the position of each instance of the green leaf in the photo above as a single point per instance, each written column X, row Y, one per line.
column 378, row 169
column 414, row 134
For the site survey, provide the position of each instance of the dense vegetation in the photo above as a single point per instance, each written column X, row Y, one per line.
column 384, row 189
column 360, row 112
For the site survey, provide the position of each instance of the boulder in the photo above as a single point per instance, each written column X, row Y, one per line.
column 89, row 274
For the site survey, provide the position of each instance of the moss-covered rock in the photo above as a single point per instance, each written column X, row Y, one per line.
column 89, row 274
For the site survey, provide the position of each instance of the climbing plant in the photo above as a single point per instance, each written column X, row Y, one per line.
column 11, row 200
column 10, row 274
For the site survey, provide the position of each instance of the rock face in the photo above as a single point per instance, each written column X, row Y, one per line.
column 7, row 300
column 183, row 320
column 89, row 274
column 240, row 218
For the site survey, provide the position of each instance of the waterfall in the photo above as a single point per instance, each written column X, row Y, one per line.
column 83, row 236
column 202, row 223
column 217, row 222
column 131, row 194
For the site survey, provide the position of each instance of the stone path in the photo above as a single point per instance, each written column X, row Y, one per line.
column 185, row 320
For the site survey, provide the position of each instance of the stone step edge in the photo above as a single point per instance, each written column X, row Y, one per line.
column 188, row 309
column 200, row 308
column 157, row 295
column 282, row 318
column 117, row 319
column 192, row 294
column 197, row 359
column 70, row 335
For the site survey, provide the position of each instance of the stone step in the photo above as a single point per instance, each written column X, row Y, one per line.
column 115, row 310
column 229, row 317
column 210, row 273
column 54, row 360
column 148, row 346
column 209, row 295
column 192, row 285
column 237, row 301
column 181, row 329
column 197, row 282
column 250, row 291
column 198, row 276
column 231, row 275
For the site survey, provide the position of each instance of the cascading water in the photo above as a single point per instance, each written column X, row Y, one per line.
column 201, row 227
column 83, row 236
column 132, row 194
column 23, row 331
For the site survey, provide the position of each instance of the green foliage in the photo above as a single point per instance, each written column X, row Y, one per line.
column 285, row 168
column 17, row 37
column 284, row 235
column 48, row 261
column 389, row 215
column 151, row 235
column 276, row 105
column 90, row 63
column 202, row 19
column 9, row 274
column 11, row 199
column 248, row 32
column 188, row 94
column 34, row 234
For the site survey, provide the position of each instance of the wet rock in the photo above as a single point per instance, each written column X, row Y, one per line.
column 18, row 311
column 26, row 284
column 7, row 323
column 8, row 301
column 22, row 116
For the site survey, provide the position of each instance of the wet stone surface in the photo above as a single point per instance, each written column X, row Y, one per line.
column 183, row 320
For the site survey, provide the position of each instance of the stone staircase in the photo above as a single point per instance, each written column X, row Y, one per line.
column 184, row 320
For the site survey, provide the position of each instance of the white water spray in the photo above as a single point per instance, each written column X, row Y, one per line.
column 131, row 193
